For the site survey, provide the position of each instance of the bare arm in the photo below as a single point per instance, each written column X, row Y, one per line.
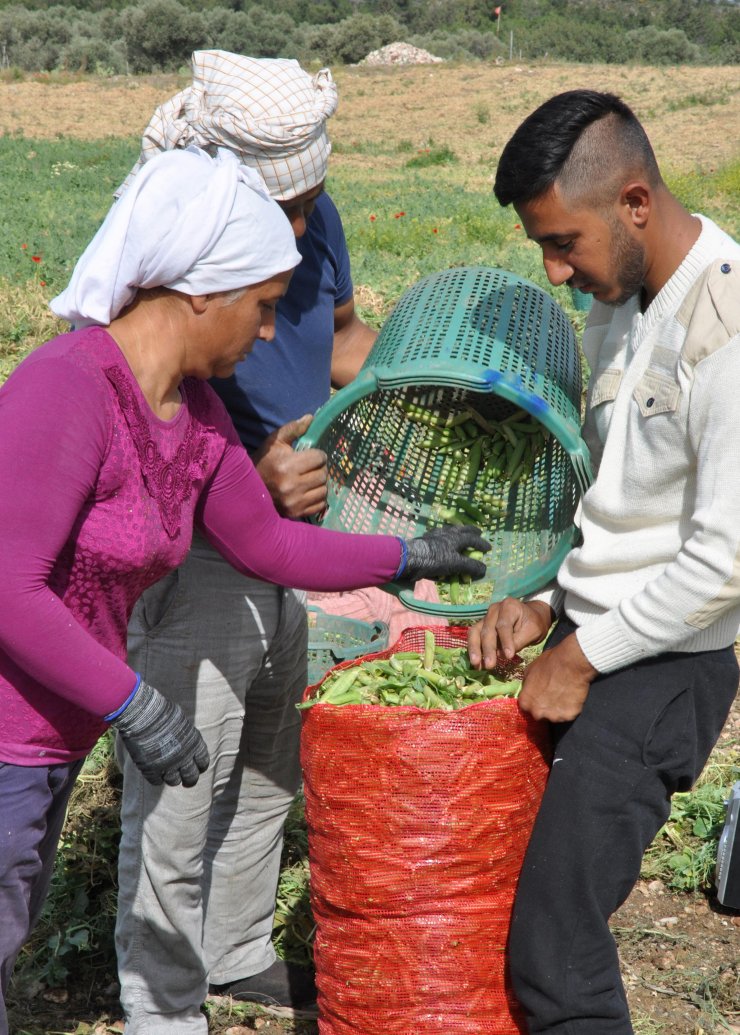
column 353, row 339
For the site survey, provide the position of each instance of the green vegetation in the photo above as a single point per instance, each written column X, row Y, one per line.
column 400, row 226
column 120, row 36
column 432, row 155
column 684, row 853
column 439, row 678
column 714, row 193
column 61, row 191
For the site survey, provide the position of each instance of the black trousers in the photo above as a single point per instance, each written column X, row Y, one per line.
column 644, row 733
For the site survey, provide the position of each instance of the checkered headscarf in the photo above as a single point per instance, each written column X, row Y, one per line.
column 269, row 112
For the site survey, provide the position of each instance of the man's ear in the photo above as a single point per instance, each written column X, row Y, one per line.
column 199, row 303
column 635, row 198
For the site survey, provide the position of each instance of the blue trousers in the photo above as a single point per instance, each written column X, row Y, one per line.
column 644, row 733
column 33, row 804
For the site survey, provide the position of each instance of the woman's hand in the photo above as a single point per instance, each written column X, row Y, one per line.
column 162, row 741
column 295, row 480
column 441, row 552
column 508, row 626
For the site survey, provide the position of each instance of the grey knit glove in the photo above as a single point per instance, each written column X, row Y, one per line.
column 162, row 742
column 439, row 553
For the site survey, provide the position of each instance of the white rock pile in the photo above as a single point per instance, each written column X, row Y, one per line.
column 400, row 54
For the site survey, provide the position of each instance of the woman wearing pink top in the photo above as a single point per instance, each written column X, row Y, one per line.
column 112, row 447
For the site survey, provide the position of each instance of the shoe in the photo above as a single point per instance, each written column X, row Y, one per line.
column 282, row 984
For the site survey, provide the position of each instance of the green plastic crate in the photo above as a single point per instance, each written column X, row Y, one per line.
column 335, row 638
column 467, row 336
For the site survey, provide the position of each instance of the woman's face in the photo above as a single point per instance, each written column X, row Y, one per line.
column 299, row 209
column 232, row 327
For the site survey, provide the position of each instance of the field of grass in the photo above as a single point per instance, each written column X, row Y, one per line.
column 413, row 185
column 412, row 222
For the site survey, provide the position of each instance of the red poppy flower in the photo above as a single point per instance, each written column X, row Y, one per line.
column 517, row 226
column 36, row 258
column 434, row 230
column 372, row 219
column 42, row 283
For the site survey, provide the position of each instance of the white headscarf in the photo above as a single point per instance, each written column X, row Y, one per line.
column 269, row 112
column 189, row 222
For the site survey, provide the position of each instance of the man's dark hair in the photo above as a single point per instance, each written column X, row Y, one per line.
column 583, row 139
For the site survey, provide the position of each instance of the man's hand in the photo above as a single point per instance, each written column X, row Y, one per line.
column 508, row 626
column 295, row 480
column 556, row 684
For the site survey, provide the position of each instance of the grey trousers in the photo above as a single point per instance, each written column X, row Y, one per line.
column 199, row 866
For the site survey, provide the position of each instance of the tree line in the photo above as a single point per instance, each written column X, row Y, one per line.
column 121, row 37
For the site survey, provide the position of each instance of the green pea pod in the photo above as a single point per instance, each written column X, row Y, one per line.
column 515, row 458
column 350, row 697
column 508, row 434
column 488, row 427
column 471, row 511
column 517, row 415
column 341, row 683
column 460, row 418
column 528, row 427
column 498, row 689
column 473, row 463
column 451, row 517
column 428, row 649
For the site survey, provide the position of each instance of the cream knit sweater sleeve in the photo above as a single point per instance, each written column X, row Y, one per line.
column 659, row 568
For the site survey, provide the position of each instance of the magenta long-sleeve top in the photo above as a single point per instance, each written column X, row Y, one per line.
column 98, row 498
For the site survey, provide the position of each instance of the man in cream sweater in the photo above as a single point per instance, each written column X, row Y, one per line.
column 639, row 673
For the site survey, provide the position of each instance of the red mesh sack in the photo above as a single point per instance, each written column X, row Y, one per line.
column 417, row 824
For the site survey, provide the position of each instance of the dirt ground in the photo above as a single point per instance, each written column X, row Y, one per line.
column 692, row 114
column 680, row 952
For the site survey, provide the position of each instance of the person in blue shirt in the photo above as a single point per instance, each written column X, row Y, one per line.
column 315, row 315
column 320, row 342
column 198, row 879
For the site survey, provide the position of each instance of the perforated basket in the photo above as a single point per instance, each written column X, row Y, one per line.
column 333, row 639
column 471, row 338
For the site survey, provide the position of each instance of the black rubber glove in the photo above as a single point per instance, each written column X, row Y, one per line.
column 162, row 742
column 439, row 553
